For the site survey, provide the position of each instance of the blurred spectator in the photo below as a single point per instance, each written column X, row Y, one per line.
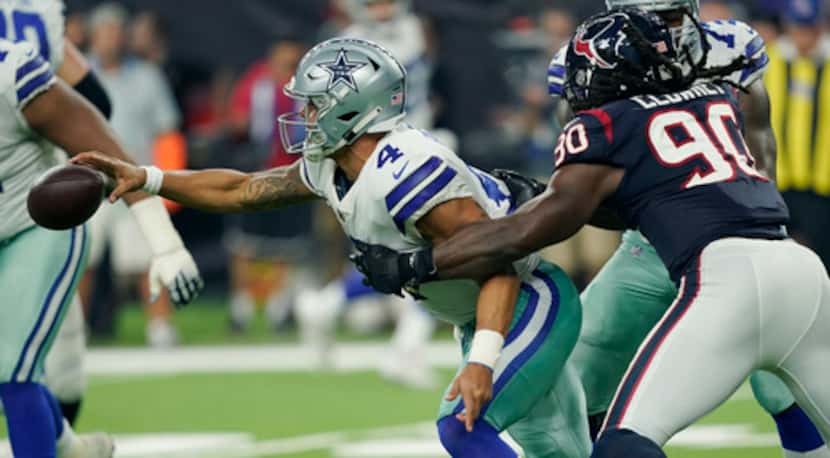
column 189, row 81
column 270, row 251
column 799, row 89
column 76, row 30
column 714, row 10
column 392, row 25
column 145, row 119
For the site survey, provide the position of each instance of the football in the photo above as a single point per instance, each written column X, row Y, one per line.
column 66, row 196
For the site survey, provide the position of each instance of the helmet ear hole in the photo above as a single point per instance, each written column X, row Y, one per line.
column 346, row 117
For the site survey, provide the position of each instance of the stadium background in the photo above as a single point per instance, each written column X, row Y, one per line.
column 227, row 385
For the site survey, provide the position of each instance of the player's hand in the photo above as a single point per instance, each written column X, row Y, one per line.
column 522, row 188
column 475, row 384
column 178, row 273
column 127, row 177
column 389, row 271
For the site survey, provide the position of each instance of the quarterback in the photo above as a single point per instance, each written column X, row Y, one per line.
column 392, row 184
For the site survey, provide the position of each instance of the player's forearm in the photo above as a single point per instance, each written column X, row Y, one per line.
column 222, row 190
column 496, row 302
column 494, row 312
column 484, row 249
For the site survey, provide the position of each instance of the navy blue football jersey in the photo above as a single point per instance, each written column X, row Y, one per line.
column 689, row 177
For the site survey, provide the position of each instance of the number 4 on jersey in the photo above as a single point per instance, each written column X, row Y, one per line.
column 388, row 154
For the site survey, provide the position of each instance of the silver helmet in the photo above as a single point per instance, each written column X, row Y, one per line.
column 687, row 36
column 352, row 86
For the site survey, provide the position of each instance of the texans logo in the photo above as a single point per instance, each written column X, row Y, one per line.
column 587, row 47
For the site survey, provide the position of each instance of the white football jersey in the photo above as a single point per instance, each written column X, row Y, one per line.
column 40, row 22
column 404, row 38
column 407, row 175
column 728, row 40
column 24, row 155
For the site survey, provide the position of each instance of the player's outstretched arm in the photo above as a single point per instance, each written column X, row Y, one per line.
column 759, row 134
column 215, row 190
column 484, row 248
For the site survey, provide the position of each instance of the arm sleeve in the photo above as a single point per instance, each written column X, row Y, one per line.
column 90, row 87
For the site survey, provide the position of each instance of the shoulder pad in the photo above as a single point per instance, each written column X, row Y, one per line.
column 556, row 73
column 733, row 39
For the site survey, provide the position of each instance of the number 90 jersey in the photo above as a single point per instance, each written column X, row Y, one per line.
column 727, row 40
column 689, row 176
column 39, row 22
column 407, row 176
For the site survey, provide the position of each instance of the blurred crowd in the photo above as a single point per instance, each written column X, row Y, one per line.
column 198, row 83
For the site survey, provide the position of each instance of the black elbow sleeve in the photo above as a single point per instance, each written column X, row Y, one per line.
column 90, row 87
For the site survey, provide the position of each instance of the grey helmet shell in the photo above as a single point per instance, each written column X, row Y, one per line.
column 355, row 86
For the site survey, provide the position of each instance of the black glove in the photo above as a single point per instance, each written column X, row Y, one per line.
column 521, row 188
column 389, row 271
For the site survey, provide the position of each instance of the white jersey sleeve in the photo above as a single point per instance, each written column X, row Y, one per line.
column 39, row 22
column 556, row 73
column 414, row 174
column 25, row 74
column 732, row 39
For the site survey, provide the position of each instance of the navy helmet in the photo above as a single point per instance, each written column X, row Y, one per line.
column 622, row 53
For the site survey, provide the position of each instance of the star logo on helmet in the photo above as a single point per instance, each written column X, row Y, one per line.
column 342, row 70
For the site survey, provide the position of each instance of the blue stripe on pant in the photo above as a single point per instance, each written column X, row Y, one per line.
column 65, row 278
column 521, row 325
column 690, row 286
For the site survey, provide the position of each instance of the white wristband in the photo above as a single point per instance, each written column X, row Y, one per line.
column 152, row 184
column 156, row 226
column 486, row 348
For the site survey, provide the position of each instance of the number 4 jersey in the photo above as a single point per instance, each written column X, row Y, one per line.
column 407, row 176
column 689, row 177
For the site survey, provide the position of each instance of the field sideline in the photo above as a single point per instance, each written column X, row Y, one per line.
column 265, row 401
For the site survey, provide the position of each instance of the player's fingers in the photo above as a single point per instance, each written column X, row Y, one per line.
column 473, row 408
column 462, row 417
column 453, row 391
column 181, row 287
column 122, row 188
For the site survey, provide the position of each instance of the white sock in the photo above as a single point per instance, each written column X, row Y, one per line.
column 821, row 452
column 67, row 439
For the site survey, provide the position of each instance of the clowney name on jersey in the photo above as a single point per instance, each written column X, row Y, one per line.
column 727, row 40
column 407, row 175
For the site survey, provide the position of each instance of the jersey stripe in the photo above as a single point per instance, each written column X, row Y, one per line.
column 35, row 86
column 754, row 46
column 422, row 197
column 411, row 182
column 26, row 69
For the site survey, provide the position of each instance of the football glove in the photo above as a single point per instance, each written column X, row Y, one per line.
column 392, row 272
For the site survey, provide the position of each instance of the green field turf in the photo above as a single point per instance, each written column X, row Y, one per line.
column 358, row 406
column 306, row 414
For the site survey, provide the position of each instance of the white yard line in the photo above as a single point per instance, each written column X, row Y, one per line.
column 259, row 358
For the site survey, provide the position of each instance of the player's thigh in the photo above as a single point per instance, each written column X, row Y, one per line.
column 556, row 426
column 696, row 356
column 621, row 305
column 544, row 329
column 130, row 252
column 804, row 316
column 771, row 392
column 39, row 270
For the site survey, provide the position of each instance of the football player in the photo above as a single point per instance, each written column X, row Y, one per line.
column 42, row 24
column 633, row 290
column 34, row 289
column 391, row 24
column 390, row 183
column 670, row 160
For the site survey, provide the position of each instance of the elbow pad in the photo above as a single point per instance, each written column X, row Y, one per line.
column 90, row 87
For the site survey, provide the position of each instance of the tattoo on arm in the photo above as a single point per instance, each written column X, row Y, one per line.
column 275, row 188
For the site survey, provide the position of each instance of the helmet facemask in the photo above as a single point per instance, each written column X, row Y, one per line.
column 298, row 134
